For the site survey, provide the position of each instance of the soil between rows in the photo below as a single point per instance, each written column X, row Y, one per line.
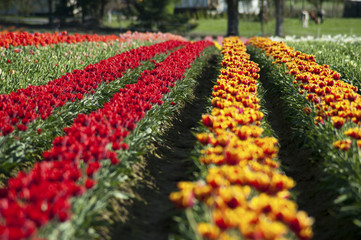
column 151, row 214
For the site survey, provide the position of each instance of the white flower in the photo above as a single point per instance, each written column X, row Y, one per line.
column 353, row 64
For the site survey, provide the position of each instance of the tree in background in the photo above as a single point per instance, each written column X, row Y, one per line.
column 232, row 17
column 102, row 8
column 6, row 5
column 262, row 16
column 88, row 8
column 279, row 7
column 150, row 12
column 63, row 10
column 93, row 8
column 67, row 8
column 51, row 12
column 154, row 15
column 22, row 7
column 317, row 3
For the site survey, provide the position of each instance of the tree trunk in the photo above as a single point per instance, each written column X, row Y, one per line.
column 102, row 6
column 262, row 16
column 232, row 12
column 279, row 4
column 51, row 17
column 63, row 13
column 83, row 14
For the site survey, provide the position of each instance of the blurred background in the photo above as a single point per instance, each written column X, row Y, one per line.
column 191, row 18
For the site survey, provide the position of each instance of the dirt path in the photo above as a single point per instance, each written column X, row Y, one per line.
column 151, row 216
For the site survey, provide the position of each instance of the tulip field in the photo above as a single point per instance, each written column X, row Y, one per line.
column 153, row 136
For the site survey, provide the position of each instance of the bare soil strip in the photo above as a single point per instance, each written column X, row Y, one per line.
column 151, row 214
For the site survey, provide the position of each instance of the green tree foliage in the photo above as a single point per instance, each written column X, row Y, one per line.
column 317, row 3
column 6, row 5
column 22, row 7
column 92, row 8
column 88, row 8
column 153, row 15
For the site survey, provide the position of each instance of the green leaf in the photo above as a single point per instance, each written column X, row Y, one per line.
column 120, row 195
column 357, row 222
column 341, row 199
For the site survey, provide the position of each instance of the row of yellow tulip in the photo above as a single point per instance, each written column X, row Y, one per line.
column 245, row 192
column 334, row 99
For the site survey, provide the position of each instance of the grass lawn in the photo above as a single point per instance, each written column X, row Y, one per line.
column 247, row 28
column 117, row 23
column 292, row 26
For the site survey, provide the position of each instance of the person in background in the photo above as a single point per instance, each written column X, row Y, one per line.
column 304, row 18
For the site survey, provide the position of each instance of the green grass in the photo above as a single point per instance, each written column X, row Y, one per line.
column 249, row 27
column 292, row 26
column 123, row 23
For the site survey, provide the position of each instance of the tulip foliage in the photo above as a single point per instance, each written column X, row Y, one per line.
column 24, row 106
column 345, row 58
column 43, row 39
column 12, row 151
column 316, row 94
column 245, row 193
column 31, row 199
column 21, row 66
column 78, row 113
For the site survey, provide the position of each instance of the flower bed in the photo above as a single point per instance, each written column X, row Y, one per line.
column 43, row 39
column 19, row 108
column 333, row 99
column 73, row 160
column 24, row 66
column 244, row 192
column 21, row 66
column 344, row 58
column 88, row 140
column 313, row 93
column 21, row 149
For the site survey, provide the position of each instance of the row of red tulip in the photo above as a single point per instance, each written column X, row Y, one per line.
column 31, row 199
column 19, row 108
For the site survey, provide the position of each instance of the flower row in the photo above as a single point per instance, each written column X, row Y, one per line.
column 32, row 199
column 19, row 108
column 334, row 99
column 149, row 36
column 243, row 189
column 344, row 58
column 43, row 39
column 39, row 134
column 24, row 66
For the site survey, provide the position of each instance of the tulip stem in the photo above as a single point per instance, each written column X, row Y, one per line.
column 193, row 223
